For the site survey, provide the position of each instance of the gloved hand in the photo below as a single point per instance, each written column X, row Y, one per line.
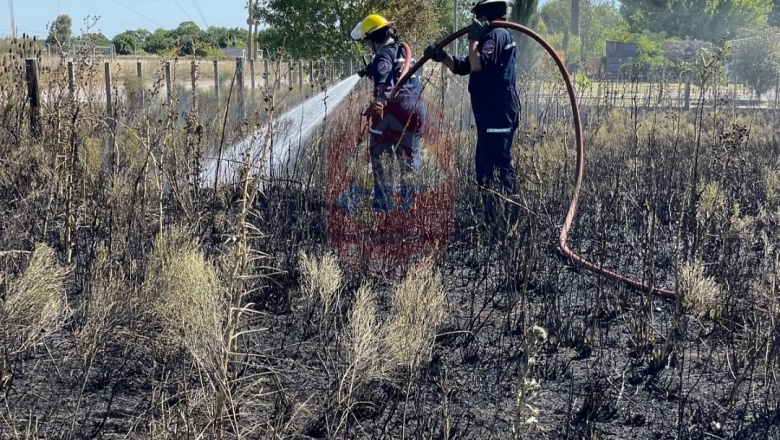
column 478, row 28
column 435, row 53
column 375, row 112
column 363, row 71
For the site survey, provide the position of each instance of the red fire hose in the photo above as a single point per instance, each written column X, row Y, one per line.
column 564, row 234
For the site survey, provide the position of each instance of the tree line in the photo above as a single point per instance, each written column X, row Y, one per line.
column 187, row 39
column 667, row 32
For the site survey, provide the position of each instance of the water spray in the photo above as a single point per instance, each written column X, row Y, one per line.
column 274, row 148
column 580, row 149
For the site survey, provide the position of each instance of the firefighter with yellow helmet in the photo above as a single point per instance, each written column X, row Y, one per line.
column 396, row 123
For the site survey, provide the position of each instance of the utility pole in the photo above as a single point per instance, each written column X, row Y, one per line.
column 253, row 24
column 455, row 23
column 11, row 14
column 249, row 22
column 257, row 28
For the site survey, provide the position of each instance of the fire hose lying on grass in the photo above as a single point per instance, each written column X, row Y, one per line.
column 580, row 148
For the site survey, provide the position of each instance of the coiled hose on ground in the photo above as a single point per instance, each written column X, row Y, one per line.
column 580, row 148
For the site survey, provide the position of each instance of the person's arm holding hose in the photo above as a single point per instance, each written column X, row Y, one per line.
column 457, row 65
column 462, row 65
column 478, row 29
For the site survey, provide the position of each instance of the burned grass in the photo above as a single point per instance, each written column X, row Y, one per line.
column 161, row 306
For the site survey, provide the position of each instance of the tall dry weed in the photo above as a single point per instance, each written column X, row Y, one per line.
column 701, row 294
column 417, row 311
column 712, row 201
column 107, row 305
column 321, row 279
column 35, row 305
column 181, row 295
column 364, row 348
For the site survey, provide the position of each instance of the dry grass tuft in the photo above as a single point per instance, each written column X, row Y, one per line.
column 418, row 310
column 106, row 306
column 700, row 293
column 320, row 278
column 183, row 297
column 771, row 177
column 35, row 304
column 712, row 200
column 363, row 336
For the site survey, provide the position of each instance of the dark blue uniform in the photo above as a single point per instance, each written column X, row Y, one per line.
column 400, row 130
column 495, row 104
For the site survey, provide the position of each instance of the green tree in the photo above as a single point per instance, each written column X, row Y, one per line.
column 94, row 39
column 696, row 19
column 187, row 35
column 159, row 42
column 313, row 28
column 556, row 17
column 320, row 28
column 60, row 31
column 126, row 43
column 524, row 13
column 595, row 21
column 417, row 21
column 774, row 15
column 650, row 45
column 270, row 40
column 754, row 59
column 225, row 37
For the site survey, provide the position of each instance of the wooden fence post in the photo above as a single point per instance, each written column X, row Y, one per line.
column 311, row 71
column 71, row 79
column 322, row 70
column 194, row 79
column 216, row 81
column 265, row 73
column 252, row 75
column 289, row 74
column 109, row 101
column 240, row 87
column 169, row 92
column 300, row 74
column 277, row 73
column 111, row 122
column 33, row 93
column 140, row 73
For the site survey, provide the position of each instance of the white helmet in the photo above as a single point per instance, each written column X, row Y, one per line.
column 493, row 9
column 487, row 2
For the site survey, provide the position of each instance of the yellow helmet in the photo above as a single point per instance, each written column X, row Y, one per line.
column 369, row 25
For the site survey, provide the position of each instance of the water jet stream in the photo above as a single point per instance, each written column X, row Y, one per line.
column 276, row 151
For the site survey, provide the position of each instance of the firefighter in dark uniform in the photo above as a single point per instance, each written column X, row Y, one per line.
column 494, row 99
column 396, row 124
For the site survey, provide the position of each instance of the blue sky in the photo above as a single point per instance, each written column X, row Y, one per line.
column 116, row 16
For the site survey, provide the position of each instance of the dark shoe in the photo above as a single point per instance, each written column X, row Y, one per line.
column 349, row 199
column 407, row 197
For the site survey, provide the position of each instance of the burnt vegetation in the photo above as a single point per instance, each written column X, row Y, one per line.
column 138, row 300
